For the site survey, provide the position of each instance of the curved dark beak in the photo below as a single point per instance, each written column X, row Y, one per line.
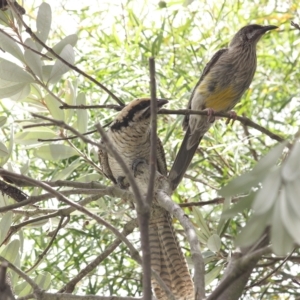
column 267, row 28
column 161, row 102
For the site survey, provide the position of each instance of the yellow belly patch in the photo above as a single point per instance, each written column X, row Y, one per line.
column 219, row 99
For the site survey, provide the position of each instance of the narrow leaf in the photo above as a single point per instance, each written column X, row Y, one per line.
column 55, row 152
column 10, row 46
column 43, row 23
column 59, row 67
column 11, row 72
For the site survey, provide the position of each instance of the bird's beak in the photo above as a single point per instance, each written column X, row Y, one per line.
column 267, row 28
column 161, row 102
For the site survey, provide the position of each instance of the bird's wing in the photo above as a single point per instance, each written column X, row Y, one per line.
column 103, row 159
column 161, row 159
column 206, row 70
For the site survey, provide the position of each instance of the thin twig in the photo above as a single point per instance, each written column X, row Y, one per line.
column 70, row 286
column 244, row 120
column 81, row 106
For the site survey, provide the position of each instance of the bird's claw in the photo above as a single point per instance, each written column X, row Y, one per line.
column 232, row 116
column 135, row 165
column 210, row 115
column 121, row 183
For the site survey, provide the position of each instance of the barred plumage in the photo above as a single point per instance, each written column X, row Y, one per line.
column 130, row 135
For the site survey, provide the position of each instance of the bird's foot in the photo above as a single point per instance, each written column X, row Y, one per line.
column 210, row 115
column 135, row 166
column 121, row 182
column 232, row 116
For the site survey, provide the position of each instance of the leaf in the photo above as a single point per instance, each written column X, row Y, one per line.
column 82, row 115
column 32, row 59
column 253, row 230
column 214, row 243
column 43, row 23
column 30, row 136
column 43, row 280
column 246, row 181
column 3, row 120
column 16, row 89
column 68, row 40
column 55, row 152
column 5, row 224
column 293, row 192
column 267, row 195
column 199, row 220
column 59, row 67
column 282, row 242
column 3, row 150
column 11, row 251
column 214, row 273
column 64, row 174
column 8, row 45
column 240, row 206
column 291, row 167
column 11, row 72
column 53, row 107
column 288, row 216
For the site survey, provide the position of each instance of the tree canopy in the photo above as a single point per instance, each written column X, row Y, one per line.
column 66, row 67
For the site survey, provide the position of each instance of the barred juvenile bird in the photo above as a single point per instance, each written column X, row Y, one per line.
column 130, row 135
column 223, row 82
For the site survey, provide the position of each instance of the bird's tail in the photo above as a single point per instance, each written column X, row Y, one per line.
column 184, row 157
column 167, row 258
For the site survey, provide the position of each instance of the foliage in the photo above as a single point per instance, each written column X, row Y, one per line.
column 112, row 43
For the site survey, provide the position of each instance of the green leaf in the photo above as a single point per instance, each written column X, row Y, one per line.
column 32, row 59
column 11, row 251
column 199, row 220
column 5, row 224
column 43, row 281
column 11, row 72
column 240, row 206
column 288, row 216
column 68, row 40
column 3, row 120
column 253, row 230
column 291, row 167
column 82, row 115
column 23, row 289
column 55, row 152
column 293, row 192
column 53, row 106
column 31, row 135
column 8, row 45
column 213, row 274
column 282, row 242
column 214, row 243
column 65, row 173
column 59, row 67
column 267, row 195
column 246, row 181
column 3, row 150
column 43, row 23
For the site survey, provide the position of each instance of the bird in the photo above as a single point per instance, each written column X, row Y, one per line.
column 129, row 134
column 223, row 82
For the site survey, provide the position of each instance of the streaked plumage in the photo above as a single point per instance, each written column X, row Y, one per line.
column 224, row 80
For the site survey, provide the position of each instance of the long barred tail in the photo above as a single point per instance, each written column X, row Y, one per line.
column 167, row 258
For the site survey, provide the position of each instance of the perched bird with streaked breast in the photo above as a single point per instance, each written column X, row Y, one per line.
column 129, row 134
column 222, row 84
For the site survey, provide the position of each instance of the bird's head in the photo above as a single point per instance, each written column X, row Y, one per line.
column 250, row 34
column 137, row 112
